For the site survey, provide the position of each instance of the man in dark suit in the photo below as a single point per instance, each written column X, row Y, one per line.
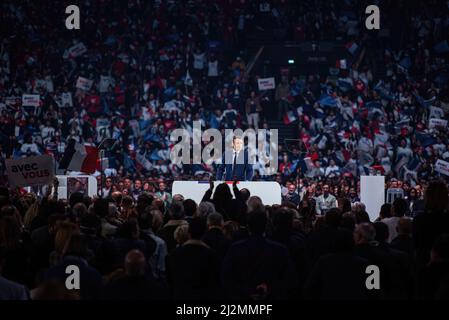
column 193, row 268
column 214, row 237
column 235, row 163
column 136, row 283
column 258, row 268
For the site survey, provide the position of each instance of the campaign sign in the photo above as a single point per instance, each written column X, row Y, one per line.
column 30, row 100
column 84, row 84
column 266, row 83
column 30, row 171
column 442, row 167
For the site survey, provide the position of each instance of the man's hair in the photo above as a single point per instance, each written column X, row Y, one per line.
column 75, row 197
column 382, row 232
column 205, row 209
column 366, row 231
column 245, row 194
column 101, row 207
column 176, row 210
column 145, row 218
column 344, row 241
column 189, row 207
column 77, row 246
column 196, row 228
column 436, row 196
column 400, row 207
column 333, row 217
column 385, row 210
column 361, row 216
column 257, row 221
column 215, row 219
column 135, row 263
column 348, row 221
column 235, row 137
column 255, row 203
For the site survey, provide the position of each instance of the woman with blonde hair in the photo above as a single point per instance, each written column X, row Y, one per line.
column 65, row 231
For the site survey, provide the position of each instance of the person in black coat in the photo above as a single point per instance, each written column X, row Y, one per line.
column 283, row 232
column 136, row 284
column 404, row 241
column 214, row 237
column 193, row 268
column 235, row 163
column 400, row 264
column 322, row 241
column 431, row 223
column 340, row 275
column 434, row 278
column 176, row 212
column 91, row 282
column 258, row 268
column 414, row 204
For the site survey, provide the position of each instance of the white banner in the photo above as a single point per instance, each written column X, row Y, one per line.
column 442, row 167
column 30, row 100
column 268, row 191
column 84, row 184
column 434, row 123
column 266, row 83
column 372, row 194
column 75, row 51
column 29, row 171
column 83, row 83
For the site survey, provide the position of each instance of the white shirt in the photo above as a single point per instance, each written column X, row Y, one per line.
column 392, row 223
column 198, row 61
column 212, row 68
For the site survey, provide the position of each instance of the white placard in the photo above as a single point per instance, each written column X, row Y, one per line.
column 66, row 99
column 268, row 191
column 442, row 167
column 30, row 100
column 30, row 171
column 75, row 51
column 105, row 82
column 76, row 183
column 83, row 83
column 372, row 194
column 266, row 83
column 433, row 123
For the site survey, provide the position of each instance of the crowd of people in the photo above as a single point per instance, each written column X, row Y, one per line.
column 139, row 69
column 224, row 247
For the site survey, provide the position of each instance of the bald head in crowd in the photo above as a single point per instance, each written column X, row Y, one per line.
column 135, row 263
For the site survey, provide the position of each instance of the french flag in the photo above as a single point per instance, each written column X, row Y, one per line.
column 352, row 47
column 79, row 157
column 290, row 117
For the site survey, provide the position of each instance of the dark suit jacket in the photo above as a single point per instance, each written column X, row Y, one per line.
column 243, row 170
column 135, row 288
column 217, row 241
column 193, row 272
column 256, row 261
column 338, row 276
